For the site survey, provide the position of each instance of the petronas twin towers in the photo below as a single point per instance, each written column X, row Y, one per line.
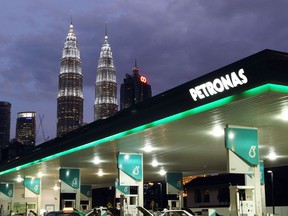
column 70, row 86
column 106, row 86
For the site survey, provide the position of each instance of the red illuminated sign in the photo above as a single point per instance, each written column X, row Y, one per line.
column 143, row 79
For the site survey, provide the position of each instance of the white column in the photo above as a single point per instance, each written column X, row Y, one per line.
column 254, row 180
column 39, row 200
column 141, row 193
column 77, row 201
column 181, row 199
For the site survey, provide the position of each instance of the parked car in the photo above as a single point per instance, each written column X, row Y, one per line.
column 144, row 211
column 96, row 211
column 166, row 212
column 65, row 212
column 176, row 213
column 113, row 212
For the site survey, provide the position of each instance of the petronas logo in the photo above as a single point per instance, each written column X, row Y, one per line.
column 36, row 188
column 10, row 193
column 252, row 152
column 74, row 182
column 136, row 170
column 179, row 183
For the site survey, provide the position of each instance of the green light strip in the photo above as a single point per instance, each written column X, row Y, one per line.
column 221, row 102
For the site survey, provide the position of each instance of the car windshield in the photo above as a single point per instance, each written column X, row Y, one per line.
column 175, row 213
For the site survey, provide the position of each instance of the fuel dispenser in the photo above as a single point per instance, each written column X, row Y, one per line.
column 174, row 204
column 68, row 203
column 84, row 205
column 128, row 205
column 31, row 206
column 5, row 207
column 242, row 201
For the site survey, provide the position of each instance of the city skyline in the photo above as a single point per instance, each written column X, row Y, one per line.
column 173, row 42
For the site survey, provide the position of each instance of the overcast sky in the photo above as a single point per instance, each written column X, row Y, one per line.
column 174, row 41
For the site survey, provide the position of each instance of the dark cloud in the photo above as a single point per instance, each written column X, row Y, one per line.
column 173, row 41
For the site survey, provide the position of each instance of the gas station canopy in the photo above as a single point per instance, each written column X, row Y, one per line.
column 180, row 130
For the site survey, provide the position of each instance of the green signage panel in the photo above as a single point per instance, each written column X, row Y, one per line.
column 7, row 189
column 131, row 164
column 123, row 189
column 244, row 143
column 71, row 177
column 32, row 184
column 175, row 180
column 86, row 190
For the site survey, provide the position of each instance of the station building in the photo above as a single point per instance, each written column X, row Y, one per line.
column 180, row 130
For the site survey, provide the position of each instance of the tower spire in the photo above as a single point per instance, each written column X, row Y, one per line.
column 105, row 104
column 70, row 87
column 71, row 17
column 106, row 29
column 106, row 33
column 135, row 69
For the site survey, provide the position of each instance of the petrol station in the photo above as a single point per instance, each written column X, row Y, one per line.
column 228, row 121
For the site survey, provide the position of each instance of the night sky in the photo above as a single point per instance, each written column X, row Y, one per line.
column 174, row 41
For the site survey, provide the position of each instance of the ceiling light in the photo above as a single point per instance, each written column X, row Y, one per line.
column 96, row 160
column 100, row 173
column 56, row 187
column 40, row 174
column 155, row 163
column 217, row 131
column 148, row 148
column 19, row 179
column 272, row 156
column 284, row 115
column 162, row 172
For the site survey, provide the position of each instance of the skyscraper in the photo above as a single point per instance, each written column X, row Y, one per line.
column 5, row 122
column 70, row 89
column 26, row 127
column 134, row 89
column 105, row 104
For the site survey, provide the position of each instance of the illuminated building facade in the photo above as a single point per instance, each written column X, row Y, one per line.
column 5, row 122
column 70, row 87
column 105, row 104
column 26, row 128
column 134, row 89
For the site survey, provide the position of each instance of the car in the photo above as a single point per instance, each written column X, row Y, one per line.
column 144, row 211
column 113, row 212
column 97, row 211
column 166, row 212
column 65, row 212
column 176, row 213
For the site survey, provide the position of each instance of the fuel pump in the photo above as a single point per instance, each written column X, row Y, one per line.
column 128, row 205
column 242, row 201
column 174, row 204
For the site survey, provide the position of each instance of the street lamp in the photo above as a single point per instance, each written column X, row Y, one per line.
column 272, row 188
column 159, row 183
